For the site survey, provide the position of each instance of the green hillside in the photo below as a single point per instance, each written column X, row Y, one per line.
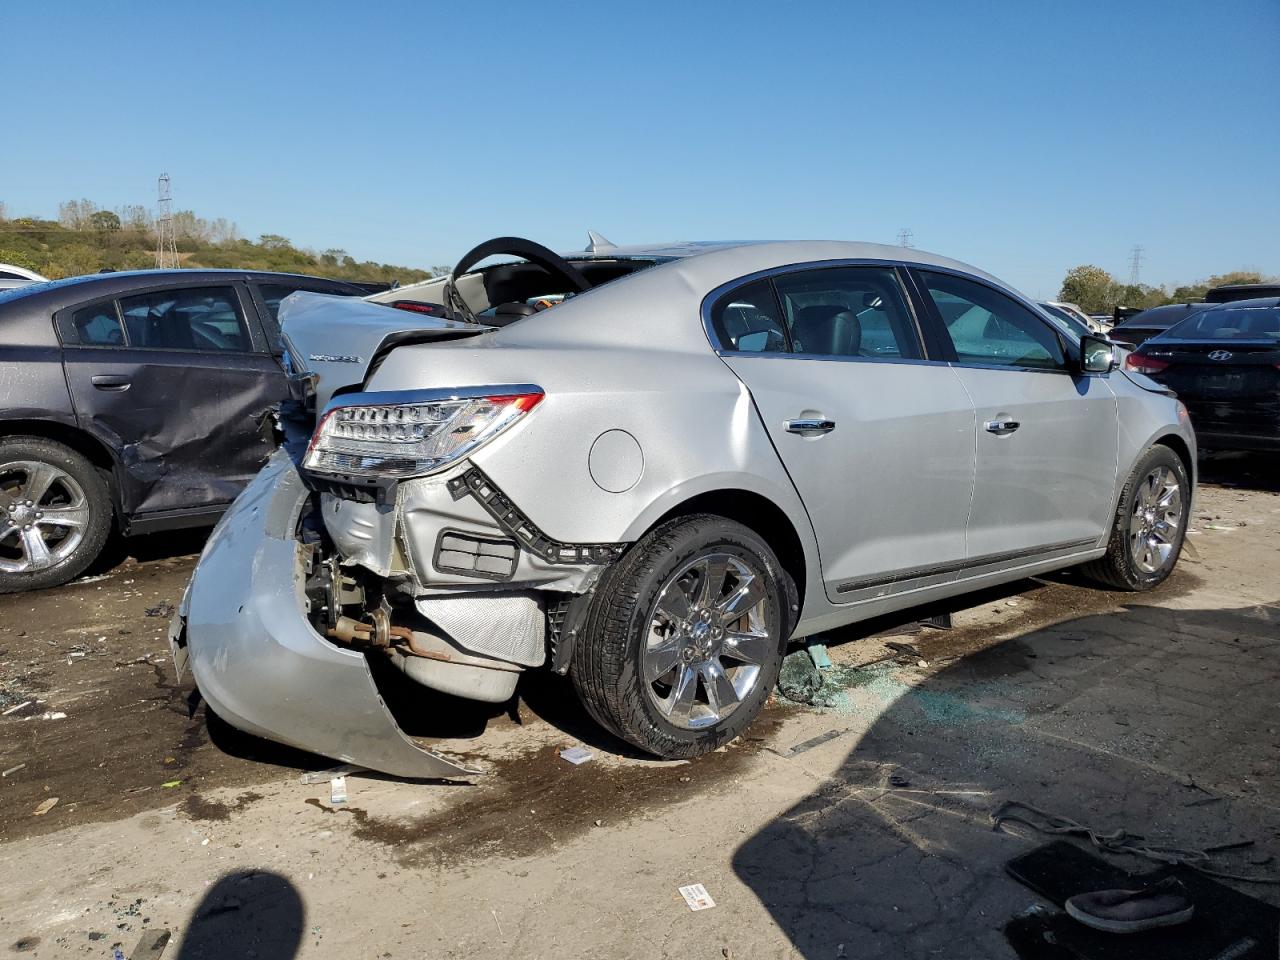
column 86, row 239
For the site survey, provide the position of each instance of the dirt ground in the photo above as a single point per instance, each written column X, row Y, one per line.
column 860, row 828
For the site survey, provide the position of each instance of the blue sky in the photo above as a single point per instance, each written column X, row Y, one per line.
column 1024, row 137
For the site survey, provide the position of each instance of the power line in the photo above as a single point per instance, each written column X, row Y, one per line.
column 1135, row 264
column 166, row 237
column 904, row 237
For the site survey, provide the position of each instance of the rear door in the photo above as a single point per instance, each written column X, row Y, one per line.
column 177, row 381
column 877, row 438
column 1046, row 437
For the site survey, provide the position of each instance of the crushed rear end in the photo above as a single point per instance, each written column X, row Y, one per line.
column 316, row 571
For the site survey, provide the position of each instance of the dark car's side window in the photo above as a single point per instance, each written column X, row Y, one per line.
column 848, row 312
column 273, row 293
column 986, row 327
column 191, row 318
column 748, row 320
column 97, row 325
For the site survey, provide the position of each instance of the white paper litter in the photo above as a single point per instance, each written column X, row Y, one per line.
column 577, row 755
column 696, row 896
column 338, row 790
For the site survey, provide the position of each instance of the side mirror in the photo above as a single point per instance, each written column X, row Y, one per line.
column 1097, row 355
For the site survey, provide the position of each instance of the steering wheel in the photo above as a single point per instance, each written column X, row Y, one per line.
column 549, row 260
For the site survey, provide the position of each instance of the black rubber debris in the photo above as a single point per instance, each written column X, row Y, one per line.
column 1226, row 923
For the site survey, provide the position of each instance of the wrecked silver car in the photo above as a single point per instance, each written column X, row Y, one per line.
column 651, row 468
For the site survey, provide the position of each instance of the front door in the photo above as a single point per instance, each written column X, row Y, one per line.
column 1046, row 434
column 176, row 383
column 878, row 440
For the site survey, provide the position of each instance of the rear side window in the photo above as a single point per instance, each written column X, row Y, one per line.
column 748, row 320
column 273, row 293
column 848, row 312
column 192, row 318
column 97, row 325
column 988, row 328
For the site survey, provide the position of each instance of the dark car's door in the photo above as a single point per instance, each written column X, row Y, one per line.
column 176, row 380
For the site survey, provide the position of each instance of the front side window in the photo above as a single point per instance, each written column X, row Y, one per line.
column 986, row 327
column 848, row 312
column 194, row 318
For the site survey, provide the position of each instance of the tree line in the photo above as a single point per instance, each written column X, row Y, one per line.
column 86, row 238
column 1094, row 290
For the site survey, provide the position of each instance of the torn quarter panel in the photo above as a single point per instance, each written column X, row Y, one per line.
column 338, row 338
column 258, row 661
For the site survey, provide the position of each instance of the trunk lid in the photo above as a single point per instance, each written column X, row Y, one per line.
column 340, row 340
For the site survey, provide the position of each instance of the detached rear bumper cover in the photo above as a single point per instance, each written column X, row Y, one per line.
column 258, row 661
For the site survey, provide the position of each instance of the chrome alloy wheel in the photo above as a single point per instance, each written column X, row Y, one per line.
column 43, row 516
column 1155, row 520
column 708, row 640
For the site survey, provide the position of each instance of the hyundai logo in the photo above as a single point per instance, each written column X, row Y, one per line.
column 1220, row 355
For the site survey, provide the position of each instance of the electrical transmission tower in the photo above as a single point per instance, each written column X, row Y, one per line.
column 166, row 237
column 1135, row 264
column 904, row 237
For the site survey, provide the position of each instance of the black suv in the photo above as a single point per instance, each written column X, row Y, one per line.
column 139, row 396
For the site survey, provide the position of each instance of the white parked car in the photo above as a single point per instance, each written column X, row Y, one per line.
column 12, row 276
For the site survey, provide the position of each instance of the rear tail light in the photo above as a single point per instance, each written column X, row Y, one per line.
column 411, row 433
column 1144, row 363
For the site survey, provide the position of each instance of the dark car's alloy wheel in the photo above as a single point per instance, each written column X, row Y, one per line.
column 1150, row 524
column 54, row 513
column 685, row 637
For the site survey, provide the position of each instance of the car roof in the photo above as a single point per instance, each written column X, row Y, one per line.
column 72, row 289
column 1253, row 303
column 750, row 253
column 1166, row 314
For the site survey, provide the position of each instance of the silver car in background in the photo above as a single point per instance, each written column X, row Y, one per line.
column 651, row 469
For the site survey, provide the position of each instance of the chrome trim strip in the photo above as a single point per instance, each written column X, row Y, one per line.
column 968, row 564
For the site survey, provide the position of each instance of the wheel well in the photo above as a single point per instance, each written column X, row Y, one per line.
column 757, row 513
column 79, row 441
column 1179, row 446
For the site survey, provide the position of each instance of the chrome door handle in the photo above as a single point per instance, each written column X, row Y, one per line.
column 1002, row 426
column 110, row 381
column 810, row 425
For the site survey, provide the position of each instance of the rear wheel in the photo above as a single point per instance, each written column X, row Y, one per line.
column 1150, row 524
column 685, row 637
column 55, row 513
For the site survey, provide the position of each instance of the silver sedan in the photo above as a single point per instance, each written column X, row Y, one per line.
column 652, row 469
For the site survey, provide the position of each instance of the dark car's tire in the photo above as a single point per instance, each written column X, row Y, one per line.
column 55, row 513
column 706, row 597
column 1150, row 524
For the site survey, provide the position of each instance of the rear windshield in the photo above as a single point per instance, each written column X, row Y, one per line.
column 1234, row 323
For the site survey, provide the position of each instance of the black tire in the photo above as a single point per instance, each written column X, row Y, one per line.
column 68, row 559
column 608, row 665
column 1119, row 568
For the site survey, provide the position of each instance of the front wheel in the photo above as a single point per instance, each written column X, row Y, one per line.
column 685, row 637
column 1150, row 524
